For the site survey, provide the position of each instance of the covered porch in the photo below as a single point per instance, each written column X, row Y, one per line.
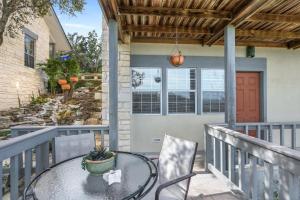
column 236, row 160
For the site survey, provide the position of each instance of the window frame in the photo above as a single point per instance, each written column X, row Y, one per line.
column 202, row 91
column 160, row 89
column 28, row 55
column 195, row 91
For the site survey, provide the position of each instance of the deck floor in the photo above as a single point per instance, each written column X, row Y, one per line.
column 206, row 186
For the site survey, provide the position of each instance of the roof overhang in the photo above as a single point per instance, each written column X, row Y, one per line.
column 57, row 34
column 265, row 23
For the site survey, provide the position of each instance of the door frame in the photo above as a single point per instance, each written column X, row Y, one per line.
column 263, row 88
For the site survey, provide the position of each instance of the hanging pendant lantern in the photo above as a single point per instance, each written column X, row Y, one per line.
column 176, row 59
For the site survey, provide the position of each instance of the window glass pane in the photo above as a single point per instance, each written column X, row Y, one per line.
column 213, row 95
column 181, row 90
column 28, row 51
column 146, row 87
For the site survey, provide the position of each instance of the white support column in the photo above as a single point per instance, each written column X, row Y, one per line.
column 230, row 76
column 113, row 84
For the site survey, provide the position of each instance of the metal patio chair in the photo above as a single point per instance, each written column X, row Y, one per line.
column 175, row 169
column 70, row 146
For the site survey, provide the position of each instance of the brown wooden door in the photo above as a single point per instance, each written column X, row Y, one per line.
column 248, row 97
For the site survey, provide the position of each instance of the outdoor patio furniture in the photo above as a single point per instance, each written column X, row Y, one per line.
column 73, row 145
column 67, row 180
column 175, row 166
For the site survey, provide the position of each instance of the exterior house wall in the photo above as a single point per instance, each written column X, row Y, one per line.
column 15, row 78
column 124, row 86
column 282, row 96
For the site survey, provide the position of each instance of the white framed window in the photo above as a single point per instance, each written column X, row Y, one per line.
column 146, row 90
column 181, row 84
column 213, row 90
column 29, row 53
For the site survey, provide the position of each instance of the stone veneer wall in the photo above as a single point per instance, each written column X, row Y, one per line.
column 15, row 78
column 124, row 79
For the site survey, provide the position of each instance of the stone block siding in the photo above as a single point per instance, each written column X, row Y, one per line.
column 15, row 78
column 124, row 89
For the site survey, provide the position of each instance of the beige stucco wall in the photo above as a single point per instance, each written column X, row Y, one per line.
column 283, row 96
column 15, row 78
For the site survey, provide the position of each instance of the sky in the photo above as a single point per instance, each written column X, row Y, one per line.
column 90, row 19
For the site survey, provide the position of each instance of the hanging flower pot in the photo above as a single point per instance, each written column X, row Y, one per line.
column 66, row 87
column 177, row 59
column 74, row 79
column 62, row 81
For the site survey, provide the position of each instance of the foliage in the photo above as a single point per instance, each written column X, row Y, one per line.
column 98, row 154
column 69, row 68
column 14, row 14
column 38, row 100
column 87, row 51
column 53, row 70
column 4, row 133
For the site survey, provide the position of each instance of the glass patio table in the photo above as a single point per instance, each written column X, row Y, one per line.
column 68, row 181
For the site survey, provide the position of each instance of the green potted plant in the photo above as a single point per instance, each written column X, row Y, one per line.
column 99, row 161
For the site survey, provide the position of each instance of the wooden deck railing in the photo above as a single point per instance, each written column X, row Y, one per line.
column 34, row 142
column 273, row 170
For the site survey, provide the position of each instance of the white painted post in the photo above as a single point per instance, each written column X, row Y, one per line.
column 231, row 164
column 222, row 157
column 230, row 76
column 294, row 138
column 113, row 84
column 282, row 135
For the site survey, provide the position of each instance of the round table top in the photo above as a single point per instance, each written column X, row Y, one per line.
column 68, row 181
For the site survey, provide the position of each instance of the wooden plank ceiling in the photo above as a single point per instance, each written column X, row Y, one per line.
column 267, row 23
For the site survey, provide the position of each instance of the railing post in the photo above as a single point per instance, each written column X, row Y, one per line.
column 14, row 177
column 38, row 160
column 216, row 146
column 268, row 181
column 270, row 139
column 45, row 155
column 241, row 162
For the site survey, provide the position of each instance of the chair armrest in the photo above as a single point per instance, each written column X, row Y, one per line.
column 172, row 182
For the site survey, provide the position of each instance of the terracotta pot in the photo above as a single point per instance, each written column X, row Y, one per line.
column 177, row 59
column 66, row 87
column 74, row 79
column 62, row 81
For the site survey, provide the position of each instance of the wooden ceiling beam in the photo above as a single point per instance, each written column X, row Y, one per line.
column 275, row 18
column 201, row 42
column 196, row 31
column 175, row 12
column 166, row 29
column 243, row 13
column 294, row 44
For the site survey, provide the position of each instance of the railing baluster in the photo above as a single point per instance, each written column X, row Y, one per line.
column 268, row 181
column 294, row 186
column 38, row 160
column 1, row 179
column 222, row 157
column 254, row 180
column 258, row 131
column 216, row 145
column 103, row 132
column 45, row 155
column 208, row 149
column 28, row 166
column 282, row 135
column 270, row 139
column 294, row 136
column 53, row 151
column 241, row 162
column 14, row 177
column 284, row 184
column 246, row 130
column 231, row 163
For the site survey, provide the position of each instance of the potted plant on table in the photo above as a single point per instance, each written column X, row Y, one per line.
column 99, row 161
